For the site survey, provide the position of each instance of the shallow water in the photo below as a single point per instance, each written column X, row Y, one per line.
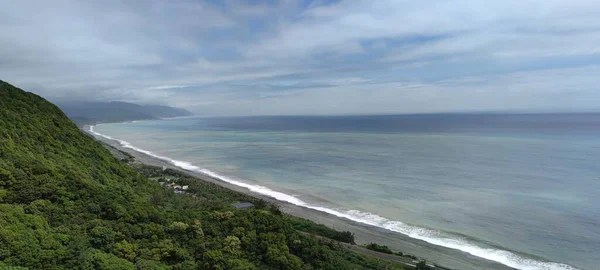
column 518, row 189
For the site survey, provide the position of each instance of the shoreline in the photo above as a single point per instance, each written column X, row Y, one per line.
column 364, row 233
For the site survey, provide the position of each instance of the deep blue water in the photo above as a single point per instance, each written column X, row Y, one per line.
column 521, row 189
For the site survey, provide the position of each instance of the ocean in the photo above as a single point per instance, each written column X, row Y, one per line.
column 519, row 189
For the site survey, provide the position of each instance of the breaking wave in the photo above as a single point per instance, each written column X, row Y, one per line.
column 428, row 235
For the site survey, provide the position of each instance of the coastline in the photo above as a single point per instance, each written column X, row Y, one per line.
column 364, row 233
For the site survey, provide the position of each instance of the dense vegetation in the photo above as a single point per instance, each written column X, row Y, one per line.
column 67, row 203
column 99, row 112
column 322, row 230
column 214, row 193
column 387, row 250
column 379, row 248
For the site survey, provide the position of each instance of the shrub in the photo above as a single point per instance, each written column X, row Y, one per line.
column 379, row 248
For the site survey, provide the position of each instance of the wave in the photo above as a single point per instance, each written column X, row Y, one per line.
column 428, row 235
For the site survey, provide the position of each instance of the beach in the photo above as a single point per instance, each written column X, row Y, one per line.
column 364, row 233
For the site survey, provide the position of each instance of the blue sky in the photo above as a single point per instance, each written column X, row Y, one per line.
column 309, row 57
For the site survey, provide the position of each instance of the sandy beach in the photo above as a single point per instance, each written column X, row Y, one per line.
column 364, row 234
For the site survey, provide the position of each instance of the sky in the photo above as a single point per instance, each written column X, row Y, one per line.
column 308, row 57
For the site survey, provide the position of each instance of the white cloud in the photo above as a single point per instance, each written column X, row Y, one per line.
column 468, row 23
column 522, row 91
column 388, row 55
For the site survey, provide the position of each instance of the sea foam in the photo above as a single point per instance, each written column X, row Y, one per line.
column 428, row 235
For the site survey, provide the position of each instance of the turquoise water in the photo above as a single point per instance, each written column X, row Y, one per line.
column 522, row 190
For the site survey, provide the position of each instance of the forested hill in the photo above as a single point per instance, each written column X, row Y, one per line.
column 60, row 191
column 66, row 203
column 116, row 111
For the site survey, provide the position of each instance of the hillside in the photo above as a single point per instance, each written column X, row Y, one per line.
column 116, row 111
column 67, row 203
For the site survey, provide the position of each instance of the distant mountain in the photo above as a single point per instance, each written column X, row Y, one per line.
column 101, row 112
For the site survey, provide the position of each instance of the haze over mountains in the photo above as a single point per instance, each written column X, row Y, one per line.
column 116, row 111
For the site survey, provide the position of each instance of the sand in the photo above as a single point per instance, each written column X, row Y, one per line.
column 364, row 234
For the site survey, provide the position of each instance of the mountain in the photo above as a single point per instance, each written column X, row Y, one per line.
column 117, row 111
column 67, row 203
column 59, row 188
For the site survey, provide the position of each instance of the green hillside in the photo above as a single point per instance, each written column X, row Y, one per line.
column 67, row 203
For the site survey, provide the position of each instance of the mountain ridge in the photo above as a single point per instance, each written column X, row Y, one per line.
column 84, row 113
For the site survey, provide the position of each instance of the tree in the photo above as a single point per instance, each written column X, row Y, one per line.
column 379, row 248
column 125, row 250
column 178, row 227
column 231, row 245
column 102, row 237
column 95, row 259
column 422, row 265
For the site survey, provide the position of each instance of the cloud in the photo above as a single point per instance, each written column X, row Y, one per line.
column 297, row 57
column 521, row 91
column 466, row 22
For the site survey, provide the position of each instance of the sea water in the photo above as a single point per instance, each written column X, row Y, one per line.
column 519, row 189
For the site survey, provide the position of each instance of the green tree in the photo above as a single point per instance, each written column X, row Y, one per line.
column 125, row 250
column 95, row 259
column 422, row 265
column 232, row 245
